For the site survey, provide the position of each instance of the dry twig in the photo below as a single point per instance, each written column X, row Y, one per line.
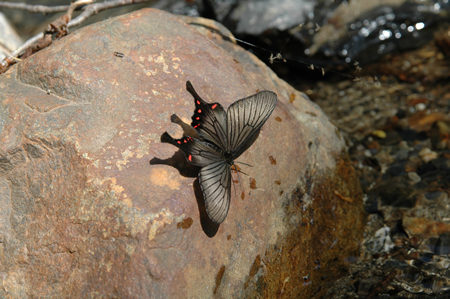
column 34, row 8
column 97, row 7
column 40, row 36
column 89, row 9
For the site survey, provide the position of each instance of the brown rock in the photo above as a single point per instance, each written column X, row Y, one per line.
column 428, row 221
column 421, row 121
column 83, row 214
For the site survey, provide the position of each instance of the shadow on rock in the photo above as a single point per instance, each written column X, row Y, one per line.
column 179, row 162
column 209, row 227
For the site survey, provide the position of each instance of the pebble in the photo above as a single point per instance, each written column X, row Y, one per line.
column 379, row 133
column 414, row 177
column 443, row 244
column 403, row 145
column 402, row 154
column 434, row 195
column 421, row 107
column 427, row 155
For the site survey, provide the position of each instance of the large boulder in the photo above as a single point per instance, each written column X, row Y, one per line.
column 84, row 214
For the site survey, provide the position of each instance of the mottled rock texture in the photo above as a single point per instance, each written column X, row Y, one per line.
column 84, row 214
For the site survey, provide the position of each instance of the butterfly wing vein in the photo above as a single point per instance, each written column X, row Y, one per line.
column 215, row 182
column 245, row 118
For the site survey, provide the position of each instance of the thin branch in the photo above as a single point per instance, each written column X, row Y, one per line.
column 34, row 8
column 27, row 44
column 97, row 7
column 40, row 35
column 75, row 5
column 88, row 11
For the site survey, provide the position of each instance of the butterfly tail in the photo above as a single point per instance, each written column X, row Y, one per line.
column 192, row 91
column 166, row 138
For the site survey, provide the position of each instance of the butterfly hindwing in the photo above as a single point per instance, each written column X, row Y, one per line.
column 245, row 118
column 201, row 153
column 198, row 152
column 215, row 182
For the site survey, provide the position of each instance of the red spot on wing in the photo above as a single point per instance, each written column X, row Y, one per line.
column 198, row 102
column 214, row 106
column 196, row 126
column 197, row 118
column 179, row 142
column 190, row 158
column 199, row 110
column 185, row 140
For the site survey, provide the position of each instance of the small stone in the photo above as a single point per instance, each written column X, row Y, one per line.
column 421, row 107
column 443, row 244
column 403, row 145
column 414, row 177
column 434, row 195
column 379, row 133
column 381, row 242
column 395, row 192
column 402, row 154
column 427, row 155
column 396, row 169
column 421, row 121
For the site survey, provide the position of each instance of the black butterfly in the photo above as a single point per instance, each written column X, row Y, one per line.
column 216, row 138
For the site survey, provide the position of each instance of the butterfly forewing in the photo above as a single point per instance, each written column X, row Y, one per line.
column 215, row 182
column 208, row 119
column 245, row 118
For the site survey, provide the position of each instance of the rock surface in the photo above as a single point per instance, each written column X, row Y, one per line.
column 85, row 215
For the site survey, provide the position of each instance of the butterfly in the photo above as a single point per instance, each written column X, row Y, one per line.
column 216, row 138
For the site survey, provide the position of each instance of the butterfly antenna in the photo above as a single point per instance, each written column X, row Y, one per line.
column 234, row 186
column 239, row 180
column 244, row 163
column 241, row 172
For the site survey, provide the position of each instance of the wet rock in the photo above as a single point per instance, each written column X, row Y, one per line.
column 255, row 17
column 395, row 192
column 381, row 242
column 405, row 193
column 433, row 195
column 439, row 134
column 443, row 244
column 84, row 214
column 385, row 29
column 428, row 219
